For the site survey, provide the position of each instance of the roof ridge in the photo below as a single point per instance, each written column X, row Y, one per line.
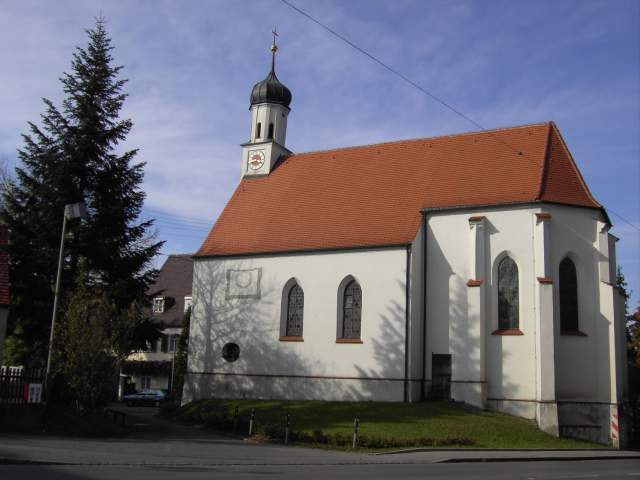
column 422, row 139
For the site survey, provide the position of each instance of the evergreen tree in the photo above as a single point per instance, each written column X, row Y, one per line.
column 73, row 157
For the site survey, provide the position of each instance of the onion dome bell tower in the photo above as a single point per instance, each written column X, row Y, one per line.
column 269, row 108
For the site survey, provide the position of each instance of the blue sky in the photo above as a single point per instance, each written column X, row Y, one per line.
column 191, row 66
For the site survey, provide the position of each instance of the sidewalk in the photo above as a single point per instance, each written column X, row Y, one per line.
column 155, row 441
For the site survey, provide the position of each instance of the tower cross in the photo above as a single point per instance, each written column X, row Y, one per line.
column 274, row 48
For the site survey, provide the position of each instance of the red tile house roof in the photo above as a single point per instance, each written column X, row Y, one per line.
column 373, row 195
column 4, row 268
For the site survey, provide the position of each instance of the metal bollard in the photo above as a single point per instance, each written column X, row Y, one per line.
column 356, row 426
column 235, row 420
column 252, row 420
column 286, row 428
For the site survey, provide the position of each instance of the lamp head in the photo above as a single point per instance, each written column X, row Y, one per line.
column 75, row 210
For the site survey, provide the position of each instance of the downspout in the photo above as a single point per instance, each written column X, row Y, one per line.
column 406, row 324
column 424, row 305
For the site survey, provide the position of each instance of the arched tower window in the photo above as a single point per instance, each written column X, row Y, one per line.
column 258, row 130
column 568, row 296
column 270, row 137
column 295, row 311
column 352, row 310
column 508, row 294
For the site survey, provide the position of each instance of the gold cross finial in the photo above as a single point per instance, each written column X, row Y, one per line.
column 274, row 47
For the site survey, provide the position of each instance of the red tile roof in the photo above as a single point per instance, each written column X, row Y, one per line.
column 373, row 195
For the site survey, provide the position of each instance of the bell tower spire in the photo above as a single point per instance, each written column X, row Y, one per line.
column 269, row 107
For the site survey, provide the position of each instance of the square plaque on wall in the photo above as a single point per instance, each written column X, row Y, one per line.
column 244, row 283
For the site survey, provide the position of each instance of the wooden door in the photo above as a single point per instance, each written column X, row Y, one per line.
column 441, row 377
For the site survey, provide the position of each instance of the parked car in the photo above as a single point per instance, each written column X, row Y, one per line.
column 152, row 396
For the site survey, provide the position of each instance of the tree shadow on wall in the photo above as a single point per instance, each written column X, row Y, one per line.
column 389, row 357
column 219, row 319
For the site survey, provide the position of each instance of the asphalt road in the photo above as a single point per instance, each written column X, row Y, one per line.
column 593, row 469
column 158, row 449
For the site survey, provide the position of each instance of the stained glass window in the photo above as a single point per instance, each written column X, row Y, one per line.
column 568, row 296
column 351, row 310
column 508, row 294
column 295, row 309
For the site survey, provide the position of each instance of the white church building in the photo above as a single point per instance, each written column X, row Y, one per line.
column 474, row 267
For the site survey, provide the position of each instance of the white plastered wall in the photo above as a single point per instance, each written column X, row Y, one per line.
column 510, row 372
column 317, row 367
column 525, row 375
column 269, row 113
column 590, row 368
column 581, row 361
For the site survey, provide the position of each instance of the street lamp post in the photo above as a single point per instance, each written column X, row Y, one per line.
column 71, row 211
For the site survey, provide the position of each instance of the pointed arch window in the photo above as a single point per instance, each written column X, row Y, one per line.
column 270, row 137
column 258, row 130
column 568, row 296
column 352, row 311
column 295, row 312
column 508, row 295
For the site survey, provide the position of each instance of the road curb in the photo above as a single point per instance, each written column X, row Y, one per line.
column 534, row 459
column 431, row 450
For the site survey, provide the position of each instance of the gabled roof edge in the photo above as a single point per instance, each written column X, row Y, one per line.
column 545, row 161
column 556, row 130
column 218, row 220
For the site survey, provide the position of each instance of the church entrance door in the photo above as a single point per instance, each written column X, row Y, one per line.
column 441, row 377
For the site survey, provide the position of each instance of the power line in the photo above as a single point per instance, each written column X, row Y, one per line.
column 186, row 227
column 624, row 219
column 423, row 90
column 400, row 75
column 159, row 219
column 179, row 217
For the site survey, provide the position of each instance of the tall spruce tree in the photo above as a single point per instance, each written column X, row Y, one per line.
column 73, row 157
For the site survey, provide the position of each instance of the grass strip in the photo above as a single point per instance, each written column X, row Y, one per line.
column 382, row 425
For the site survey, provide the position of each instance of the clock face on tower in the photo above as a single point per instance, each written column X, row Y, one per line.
column 255, row 159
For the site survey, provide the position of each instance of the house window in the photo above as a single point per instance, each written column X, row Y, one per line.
column 173, row 343
column 351, row 310
column 158, row 305
column 258, row 130
column 568, row 296
column 168, row 343
column 145, row 383
column 270, row 137
column 187, row 303
column 295, row 309
column 508, row 295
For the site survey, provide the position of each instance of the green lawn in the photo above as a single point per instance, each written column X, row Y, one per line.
column 382, row 425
